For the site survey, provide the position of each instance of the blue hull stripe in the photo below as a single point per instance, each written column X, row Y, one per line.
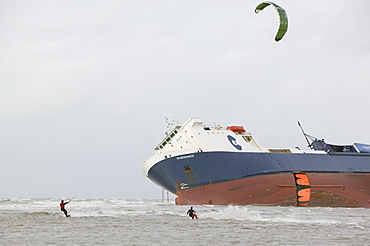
column 215, row 167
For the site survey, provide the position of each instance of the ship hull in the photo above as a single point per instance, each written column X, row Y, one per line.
column 339, row 190
column 239, row 178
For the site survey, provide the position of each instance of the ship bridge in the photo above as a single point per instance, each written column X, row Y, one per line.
column 194, row 135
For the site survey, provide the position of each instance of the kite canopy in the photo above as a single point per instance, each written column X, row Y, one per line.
column 303, row 188
column 283, row 28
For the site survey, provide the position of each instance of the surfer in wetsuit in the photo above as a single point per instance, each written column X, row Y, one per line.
column 192, row 213
column 62, row 204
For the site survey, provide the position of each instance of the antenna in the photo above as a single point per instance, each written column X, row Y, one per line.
column 171, row 124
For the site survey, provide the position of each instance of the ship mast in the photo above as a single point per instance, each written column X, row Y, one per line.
column 171, row 124
column 307, row 137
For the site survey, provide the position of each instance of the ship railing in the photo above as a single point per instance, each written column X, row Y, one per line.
column 213, row 127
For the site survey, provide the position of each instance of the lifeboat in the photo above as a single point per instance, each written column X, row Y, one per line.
column 237, row 129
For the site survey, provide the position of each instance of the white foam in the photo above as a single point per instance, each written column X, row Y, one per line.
column 140, row 207
column 233, row 213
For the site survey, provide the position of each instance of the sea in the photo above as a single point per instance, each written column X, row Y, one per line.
column 26, row 221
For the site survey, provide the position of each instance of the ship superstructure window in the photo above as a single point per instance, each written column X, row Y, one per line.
column 168, row 139
column 247, row 138
column 173, row 134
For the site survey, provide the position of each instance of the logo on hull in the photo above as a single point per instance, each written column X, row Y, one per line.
column 233, row 142
column 184, row 186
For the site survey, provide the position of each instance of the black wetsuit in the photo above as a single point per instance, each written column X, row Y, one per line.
column 191, row 213
column 63, row 209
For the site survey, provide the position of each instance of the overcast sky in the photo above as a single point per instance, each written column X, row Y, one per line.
column 85, row 86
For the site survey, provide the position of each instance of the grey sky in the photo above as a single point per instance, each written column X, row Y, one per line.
column 85, row 85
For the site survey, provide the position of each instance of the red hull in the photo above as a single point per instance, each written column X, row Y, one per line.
column 327, row 190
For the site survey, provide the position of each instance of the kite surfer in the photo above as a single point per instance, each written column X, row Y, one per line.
column 192, row 213
column 62, row 204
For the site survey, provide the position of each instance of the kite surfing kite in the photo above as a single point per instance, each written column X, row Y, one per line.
column 283, row 28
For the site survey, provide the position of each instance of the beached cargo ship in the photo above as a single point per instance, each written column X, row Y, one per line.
column 211, row 164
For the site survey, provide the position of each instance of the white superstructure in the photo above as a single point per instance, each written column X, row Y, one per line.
column 194, row 136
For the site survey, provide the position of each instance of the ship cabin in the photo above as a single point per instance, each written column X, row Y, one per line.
column 331, row 148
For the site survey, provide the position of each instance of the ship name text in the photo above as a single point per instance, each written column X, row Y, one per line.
column 185, row 157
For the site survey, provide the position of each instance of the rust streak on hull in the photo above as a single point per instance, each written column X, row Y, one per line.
column 279, row 190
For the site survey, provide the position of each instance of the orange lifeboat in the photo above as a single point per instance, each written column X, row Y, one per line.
column 238, row 129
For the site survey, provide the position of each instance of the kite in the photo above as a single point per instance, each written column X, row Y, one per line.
column 283, row 28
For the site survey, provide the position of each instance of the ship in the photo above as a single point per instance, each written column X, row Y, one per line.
column 225, row 165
